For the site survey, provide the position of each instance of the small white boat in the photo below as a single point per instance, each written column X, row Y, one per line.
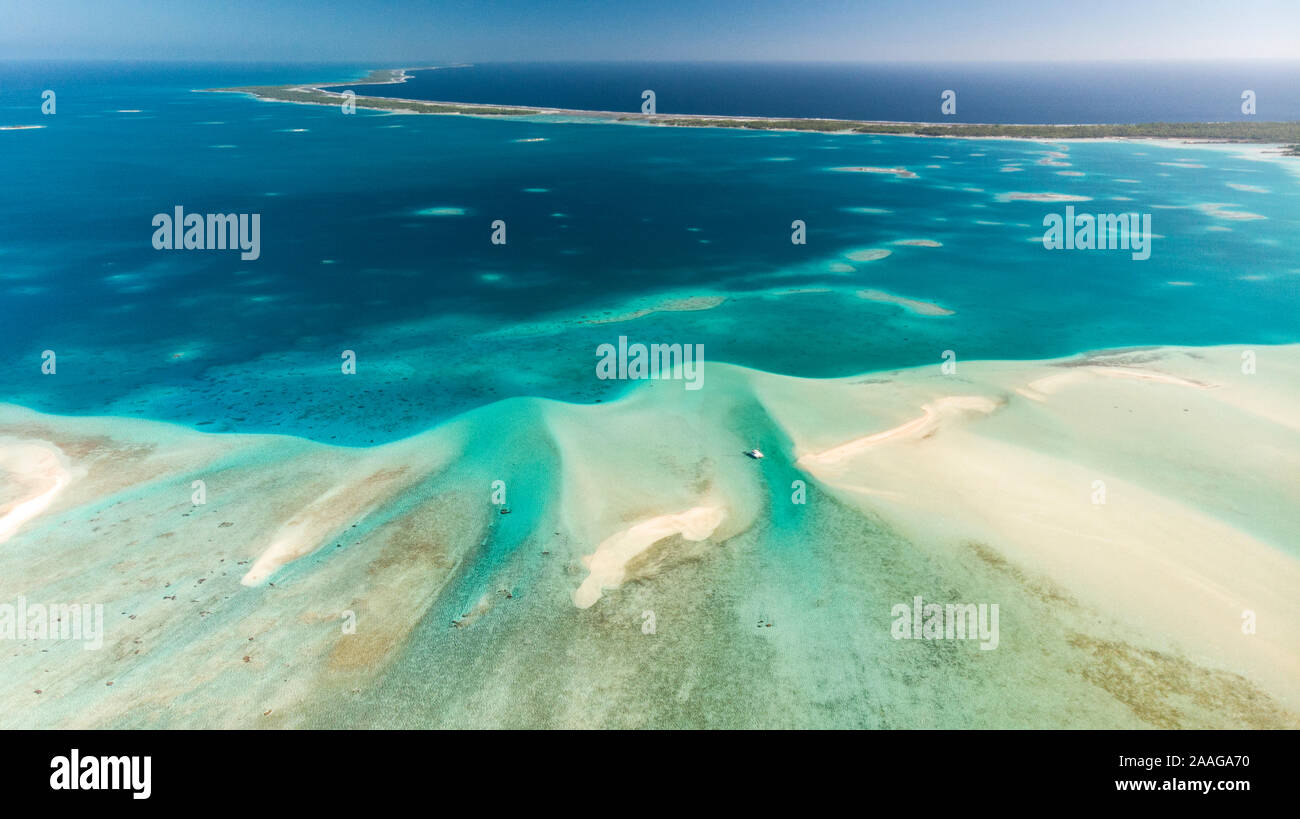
column 756, row 454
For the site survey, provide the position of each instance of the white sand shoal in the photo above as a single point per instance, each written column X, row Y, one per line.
column 350, row 499
column 929, row 418
column 1154, row 487
column 34, row 473
column 609, row 562
column 920, row 308
column 868, row 255
column 901, row 173
column 675, row 305
column 1017, row 196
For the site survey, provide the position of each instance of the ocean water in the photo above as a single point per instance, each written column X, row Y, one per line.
column 1005, row 93
column 376, row 238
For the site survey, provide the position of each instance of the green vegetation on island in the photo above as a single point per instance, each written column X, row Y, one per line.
column 1216, row 131
column 314, row 95
column 1260, row 132
column 286, row 93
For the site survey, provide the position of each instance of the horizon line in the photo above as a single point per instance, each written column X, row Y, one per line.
column 422, row 65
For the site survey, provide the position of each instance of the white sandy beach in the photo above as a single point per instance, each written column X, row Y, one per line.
column 1153, row 492
column 1125, row 481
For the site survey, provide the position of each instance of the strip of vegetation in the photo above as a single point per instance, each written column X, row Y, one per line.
column 381, row 76
column 1218, row 131
column 310, row 94
column 1264, row 132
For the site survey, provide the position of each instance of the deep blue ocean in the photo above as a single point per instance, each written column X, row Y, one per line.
column 375, row 237
column 1008, row 93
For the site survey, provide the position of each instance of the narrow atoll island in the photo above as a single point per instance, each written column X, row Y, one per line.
column 1287, row 133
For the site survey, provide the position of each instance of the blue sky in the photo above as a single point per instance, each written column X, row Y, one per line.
column 408, row 32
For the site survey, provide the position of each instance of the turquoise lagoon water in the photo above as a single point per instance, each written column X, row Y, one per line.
column 375, row 237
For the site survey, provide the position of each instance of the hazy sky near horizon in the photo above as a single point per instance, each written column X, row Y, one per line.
column 407, row 32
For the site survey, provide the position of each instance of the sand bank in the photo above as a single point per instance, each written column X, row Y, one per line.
column 673, row 305
column 1017, row 196
column 901, row 173
column 868, row 255
column 920, row 308
column 608, row 563
column 32, row 474
column 1121, row 479
column 1131, row 511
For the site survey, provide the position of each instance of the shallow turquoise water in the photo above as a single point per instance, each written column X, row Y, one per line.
column 599, row 216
